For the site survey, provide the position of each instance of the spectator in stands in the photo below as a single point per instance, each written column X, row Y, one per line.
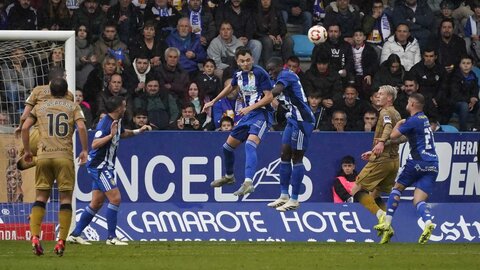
column 161, row 106
column 271, row 31
column 320, row 78
column 149, row 44
column 109, row 44
column 315, row 102
column 435, row 125
column 197, row 97
column 22, row 16
column 98, row 78
column 172, row 77
column 207, row 81
column 188, row 120
column 228, row 106
column 419, row 18
column 191, row 50
column 201, row 20
column 128, row 18
column 345, row 180
column 226, row 124
column 344, row 14
column 353, row 107
column 404, row 45
column 165, row 16
column 140, row 119
column 450, row 46
column 296, row 12
column 338, row 122
column 464, row 92
column 432, row 81
column 369, row 121
column 293, row 63
column 5, row 125
column 134, row 77
column 410, row 86
column 18, row 75
column 222, row 50
column 243, row 24
column 340, row 51
column 391, row 72
column 115, row 88
column 446, row 7
column 86, row 109
column 378, row 26
column 85, row 59
column 365, row 62
column 90, row 15
column 57, row 16
column 56, row 59
column 472, row 35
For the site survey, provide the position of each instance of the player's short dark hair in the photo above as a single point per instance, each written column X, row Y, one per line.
column 242, row 50
column 113, row 103
column 419, row 98
column 58, row 87
column 56, row 72
column 348, row 160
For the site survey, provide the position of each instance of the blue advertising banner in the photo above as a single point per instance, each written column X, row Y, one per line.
column 177, row 167
column 312, row 222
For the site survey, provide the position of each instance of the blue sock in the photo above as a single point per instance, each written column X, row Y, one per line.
column 285, row 174
column 298, row 172
column 112, row 211
column 85, row 219
column 424, row 211
column 229, row 158
column 250, row 159
column 393, row 201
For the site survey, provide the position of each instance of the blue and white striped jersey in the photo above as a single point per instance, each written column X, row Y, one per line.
column 252, row 84
column 104, row 157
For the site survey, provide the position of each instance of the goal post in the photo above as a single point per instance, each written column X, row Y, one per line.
column 14, row 209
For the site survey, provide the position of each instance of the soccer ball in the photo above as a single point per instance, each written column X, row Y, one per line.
column 317, row 34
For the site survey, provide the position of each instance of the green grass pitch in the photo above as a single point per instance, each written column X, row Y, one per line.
column 242, row 255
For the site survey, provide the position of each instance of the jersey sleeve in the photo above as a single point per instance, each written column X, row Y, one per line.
column 265, row 84
column 284, row 79
column 78, row 114
column 407, row 126
column 33, row 98
column 33, row 113
column 234, row 81
column 103, row 128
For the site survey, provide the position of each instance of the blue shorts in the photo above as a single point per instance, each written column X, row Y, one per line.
column 256, row 122
column 103, row 179
column 297, row 134
column 420, row 174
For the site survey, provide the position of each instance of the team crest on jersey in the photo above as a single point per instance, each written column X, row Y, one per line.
column 387, row 120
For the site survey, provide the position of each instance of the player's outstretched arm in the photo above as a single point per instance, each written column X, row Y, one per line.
column 26, row 138
column 129, row 132
column 25, row 114
column 395, row 134
column 99, row 142
column 221, row 95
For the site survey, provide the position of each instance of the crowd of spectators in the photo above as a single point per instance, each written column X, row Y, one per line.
column 170, row 57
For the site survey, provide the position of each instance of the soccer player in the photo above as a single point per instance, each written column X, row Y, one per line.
column 255, row 88
column 381, row 170
column 56, row 118
column 420, row 170
column 101, row 168
column 300, row 124
column 39, row 94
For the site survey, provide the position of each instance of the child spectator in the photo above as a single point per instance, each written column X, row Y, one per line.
column 314, row 101
column 85, row 108
column 226, row 124
column 210, row 84
column 344, row 182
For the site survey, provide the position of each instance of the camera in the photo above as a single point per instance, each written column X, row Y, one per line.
column 187, row 121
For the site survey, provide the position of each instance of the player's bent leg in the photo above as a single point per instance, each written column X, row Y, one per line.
column 246, row 188
column 86, row 217
column 229, row 160
column 114, row 199
column 423, row 211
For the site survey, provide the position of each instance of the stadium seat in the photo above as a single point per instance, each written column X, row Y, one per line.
column 302, row 47
column 449, row 128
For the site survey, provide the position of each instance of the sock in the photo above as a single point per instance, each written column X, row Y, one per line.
column 392, row 204
column 367, row 201
column 298, row 171
column 36, row 217
column 381, row 203
column 250, row 159
column 64, row 219
column 85, row 219
column 424, row 212
column 229, row 158
column 112, row 211
column 285, row 174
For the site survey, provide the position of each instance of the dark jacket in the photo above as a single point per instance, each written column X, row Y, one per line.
column 328, row 84
column 463, row 88
column 348, row 21
column 369, row 60
column 211, row 85
column 451, row 52
column 164, row 24
column 138, row 47
column 93, row 22
column 432, row 81
column 340, row 53
column 243, row 23
column 270, row 22
column 162, row 108
column 177, row 78
column 354, row 113
column 20, row 18
column 130, row 27
column 385, row 77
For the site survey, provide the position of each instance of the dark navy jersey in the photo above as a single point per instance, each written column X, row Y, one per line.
column 294, row 97
column 420, row 137
column 104, row 157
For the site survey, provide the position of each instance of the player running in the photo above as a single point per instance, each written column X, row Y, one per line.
column 295, row 138
column 56, row 118
column 255, row 88
column 101, row 168
column 420, row 170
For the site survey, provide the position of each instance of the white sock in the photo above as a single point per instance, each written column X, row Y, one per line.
column 388, row 219
column 380, row 212
column 248, row 180
column 284, row 196
column 228, row 175
column 428, row 222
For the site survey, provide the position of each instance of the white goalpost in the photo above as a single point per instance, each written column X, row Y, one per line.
column 17, row 79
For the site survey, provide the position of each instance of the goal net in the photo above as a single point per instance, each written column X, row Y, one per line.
column 25, row 60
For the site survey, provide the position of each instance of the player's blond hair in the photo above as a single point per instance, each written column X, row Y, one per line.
column 390, row 90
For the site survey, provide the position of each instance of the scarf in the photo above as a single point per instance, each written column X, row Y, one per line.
column 381, row 31
column 141, row 76
column 196, row 20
